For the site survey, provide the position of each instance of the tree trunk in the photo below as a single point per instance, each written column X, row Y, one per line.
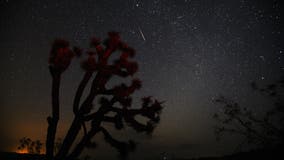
column 53, row 121
column 81, row 145
column 69, row 139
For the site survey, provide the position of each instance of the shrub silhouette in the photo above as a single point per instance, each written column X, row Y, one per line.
column 265, row 130
column 88, row 117
column 31, row 146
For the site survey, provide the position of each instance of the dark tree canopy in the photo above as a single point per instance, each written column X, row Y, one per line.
column 266, row 129
column 88, row 117
column 30, row 146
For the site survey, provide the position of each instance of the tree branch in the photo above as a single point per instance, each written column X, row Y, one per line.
column 122, row 147
column 53, row 120
column 80, row 90
column 85, row 140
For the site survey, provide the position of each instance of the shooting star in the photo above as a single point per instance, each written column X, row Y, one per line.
column 142, row 34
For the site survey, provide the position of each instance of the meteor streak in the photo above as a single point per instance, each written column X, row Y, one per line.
column 142, row 34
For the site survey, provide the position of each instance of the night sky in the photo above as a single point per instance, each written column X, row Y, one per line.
column 189, row 51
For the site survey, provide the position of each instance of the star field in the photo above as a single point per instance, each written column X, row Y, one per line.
column 189, row 51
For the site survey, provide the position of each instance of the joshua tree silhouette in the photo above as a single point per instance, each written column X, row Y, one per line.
column 88, row 117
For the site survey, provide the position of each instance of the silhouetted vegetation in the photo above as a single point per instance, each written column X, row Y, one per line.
column 88, row 117
column 263, row 129
column 31, row 146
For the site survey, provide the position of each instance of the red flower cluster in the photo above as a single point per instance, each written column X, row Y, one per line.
column 90, row 64
column 124, row 91
column 60, row 55
column 113, row 41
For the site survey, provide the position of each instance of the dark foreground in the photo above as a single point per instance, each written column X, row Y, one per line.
column 263, row 154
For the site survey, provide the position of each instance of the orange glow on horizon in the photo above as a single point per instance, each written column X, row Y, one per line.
column 25, row 151
column 22, row 151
